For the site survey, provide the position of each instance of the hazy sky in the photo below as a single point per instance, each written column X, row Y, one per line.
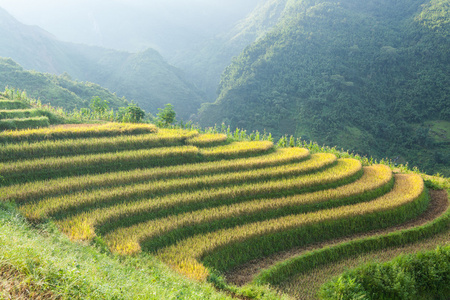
column 131, row 24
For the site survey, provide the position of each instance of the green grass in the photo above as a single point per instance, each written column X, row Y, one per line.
column 73, row 271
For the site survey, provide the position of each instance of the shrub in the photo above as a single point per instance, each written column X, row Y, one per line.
column 405, row 277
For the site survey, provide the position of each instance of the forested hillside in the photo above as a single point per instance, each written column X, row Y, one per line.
column 59, row 91
column 144, row 77
column 371, row 76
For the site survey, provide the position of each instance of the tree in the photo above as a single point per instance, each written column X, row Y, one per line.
column 167, row 115
column 132, row 113
column 98, row 105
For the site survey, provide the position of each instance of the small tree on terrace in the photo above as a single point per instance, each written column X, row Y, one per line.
column 98, row 105
column 166, row 116
column 132, row 113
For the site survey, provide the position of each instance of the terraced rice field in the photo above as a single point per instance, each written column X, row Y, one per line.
column 205, row 205
column 17, row 115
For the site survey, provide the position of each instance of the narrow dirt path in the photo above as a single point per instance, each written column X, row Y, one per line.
column 244, row 273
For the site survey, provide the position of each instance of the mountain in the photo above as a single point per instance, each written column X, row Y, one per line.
column 144, row 77
column 148, row 79
column 370, row 76
column 59, row 91
column 206, row 60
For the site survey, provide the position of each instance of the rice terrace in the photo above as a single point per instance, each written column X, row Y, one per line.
column 173, row 213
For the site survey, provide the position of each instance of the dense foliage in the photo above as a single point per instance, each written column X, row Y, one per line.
column 406, row 277
column 372, row 77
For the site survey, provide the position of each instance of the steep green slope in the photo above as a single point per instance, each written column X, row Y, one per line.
column 143, row 77
column 60, row 91
column 364, row 76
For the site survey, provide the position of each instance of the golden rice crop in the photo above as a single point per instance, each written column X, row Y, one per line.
column 237, row 149
column 186, row 255
column 75, row 131
column 73, row 164
column 83, row 225
column 35, row 190
column 67, row 147
column 155, row 188
column 184, row 134
column 126, row 240
column 204, row 140
column 30, row 169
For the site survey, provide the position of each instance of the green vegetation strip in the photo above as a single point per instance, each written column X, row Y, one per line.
column 10, row 104
column 20, row 113
column 297, row 265
column 29, row 170
column 227, row 248
column 75, row 131
column 26, row 150
column 37, row 190
column 413, row 276
column 375, row 181
column 23, row 123
column 128, row 213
